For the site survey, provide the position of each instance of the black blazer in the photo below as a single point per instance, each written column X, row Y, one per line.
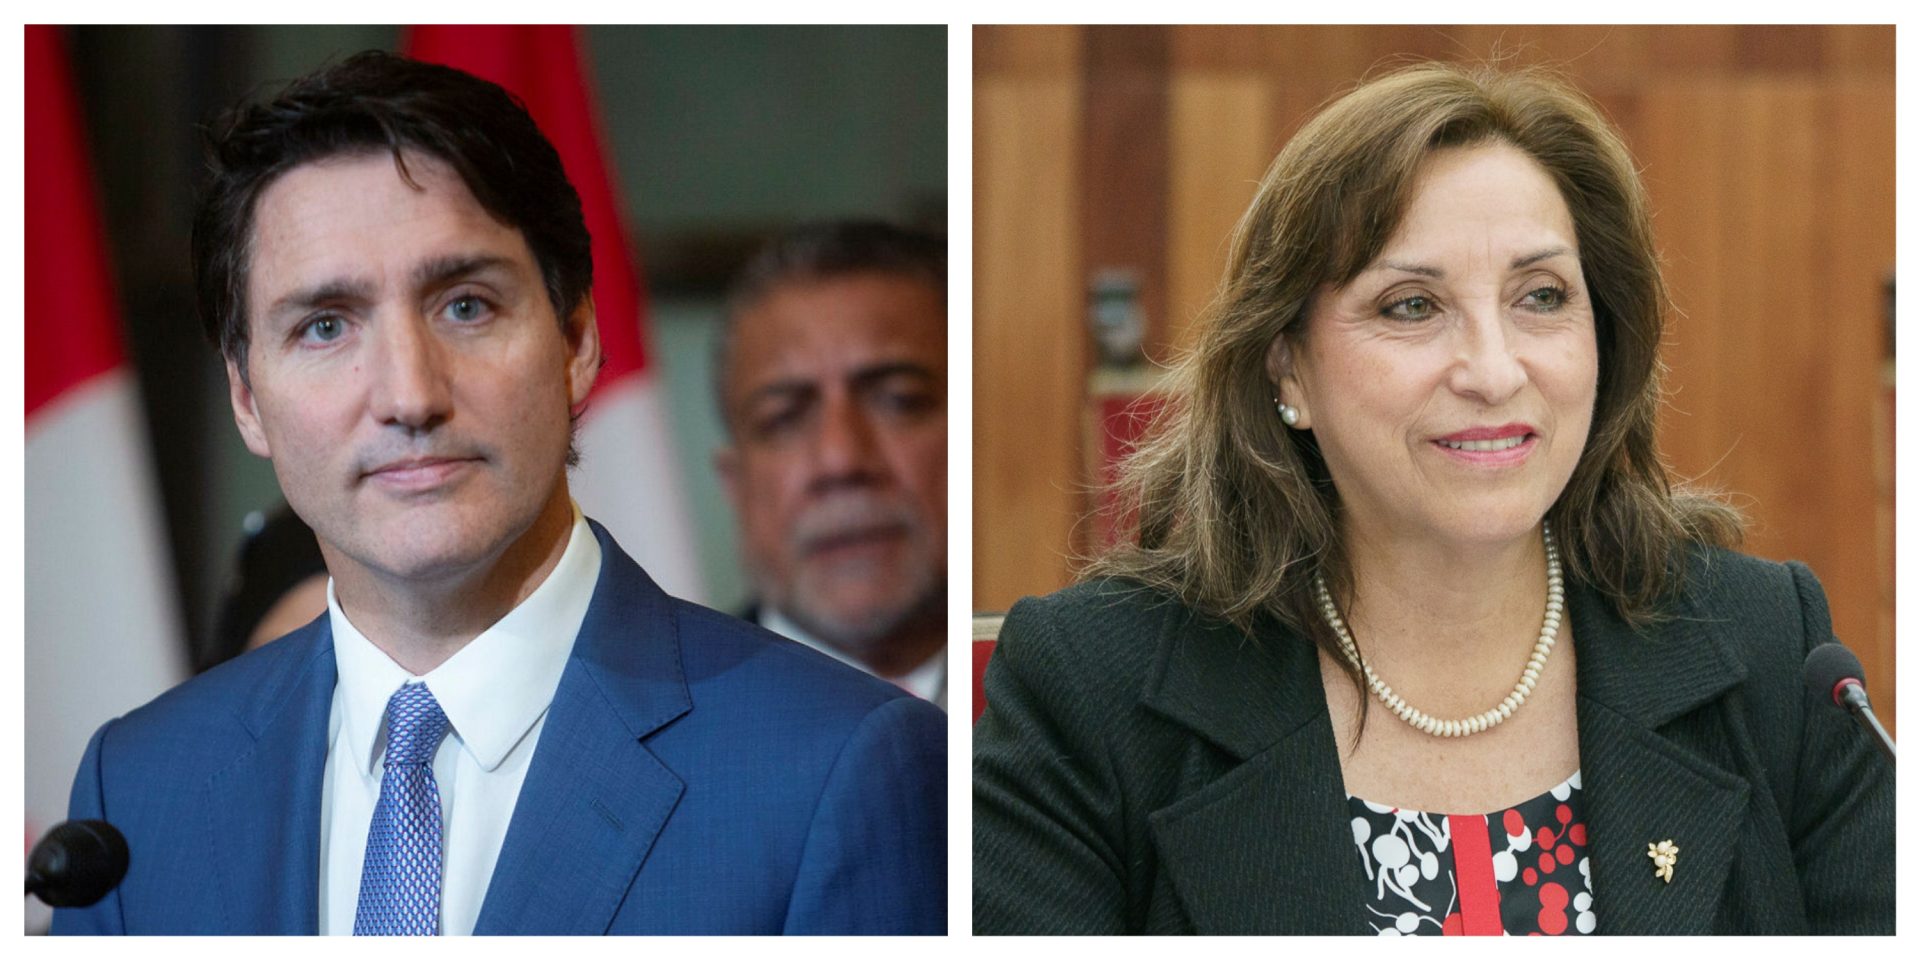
column 1143, row 769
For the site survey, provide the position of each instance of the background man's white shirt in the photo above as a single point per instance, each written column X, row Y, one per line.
column 927, row 681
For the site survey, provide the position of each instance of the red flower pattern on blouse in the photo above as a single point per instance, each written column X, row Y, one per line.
column 1525, row 872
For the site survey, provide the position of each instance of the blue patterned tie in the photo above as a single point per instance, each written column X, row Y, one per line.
column 400, row 881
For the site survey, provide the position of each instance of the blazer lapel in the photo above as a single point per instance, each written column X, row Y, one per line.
column 1642, row 782
column 595, row 797
column 263, row 810
column 1262, row 848
column 1265, row 847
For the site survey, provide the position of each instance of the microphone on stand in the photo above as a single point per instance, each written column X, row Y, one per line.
column 77, row 863
column 1834, row 674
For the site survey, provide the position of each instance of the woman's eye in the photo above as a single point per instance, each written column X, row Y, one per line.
column 1409, row 308
column 1546, row 298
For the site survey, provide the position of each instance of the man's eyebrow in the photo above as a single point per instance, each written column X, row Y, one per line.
column 441, row 271
column 324, row 292
column 866, row 376
column 437, row 272
column 861, row 378
column 780, row 388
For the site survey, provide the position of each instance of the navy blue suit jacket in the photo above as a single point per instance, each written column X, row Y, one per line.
column 695, row 775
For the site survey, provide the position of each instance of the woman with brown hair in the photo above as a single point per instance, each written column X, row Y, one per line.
column 1416, row 635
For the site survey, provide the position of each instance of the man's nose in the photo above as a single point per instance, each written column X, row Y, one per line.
column 412, row 386
column 1485, row 365
column 845, row 445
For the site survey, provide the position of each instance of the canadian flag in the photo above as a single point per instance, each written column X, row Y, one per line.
column 103, row 625
column 626, row 478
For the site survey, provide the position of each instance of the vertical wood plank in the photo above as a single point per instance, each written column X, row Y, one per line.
column 1856, row 244
column 1220, row 128
column 1028, row 345
column 1123, row 173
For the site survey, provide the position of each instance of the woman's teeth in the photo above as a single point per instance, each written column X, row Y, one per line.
column 1484, row 446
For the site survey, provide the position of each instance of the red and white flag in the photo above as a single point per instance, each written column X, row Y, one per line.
column 627, row 478
column 103, row 624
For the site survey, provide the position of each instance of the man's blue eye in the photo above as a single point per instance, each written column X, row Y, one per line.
column 325, row 328
column 466, row 308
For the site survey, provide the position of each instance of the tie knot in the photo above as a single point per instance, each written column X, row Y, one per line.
column 415, row 724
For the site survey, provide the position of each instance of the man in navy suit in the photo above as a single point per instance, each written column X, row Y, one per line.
column 501, row 725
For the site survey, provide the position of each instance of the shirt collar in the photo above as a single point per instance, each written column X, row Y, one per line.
column 495, row 688
column 922, row 681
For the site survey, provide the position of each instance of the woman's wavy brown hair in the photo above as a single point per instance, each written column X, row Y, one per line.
column 1236, row 512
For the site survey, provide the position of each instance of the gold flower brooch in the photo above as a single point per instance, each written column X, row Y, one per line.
column 1664, row 855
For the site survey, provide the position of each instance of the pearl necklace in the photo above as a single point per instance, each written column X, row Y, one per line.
column 1556, row 603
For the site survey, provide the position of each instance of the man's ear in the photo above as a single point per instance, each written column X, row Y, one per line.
column 583, row 354
column 246, row 415
column 1283, row 371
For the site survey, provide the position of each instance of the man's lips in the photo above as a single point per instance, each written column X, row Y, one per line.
column 826, row 545
column 419, row 473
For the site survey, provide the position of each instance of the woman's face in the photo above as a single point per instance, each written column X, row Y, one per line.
column 1451, row 384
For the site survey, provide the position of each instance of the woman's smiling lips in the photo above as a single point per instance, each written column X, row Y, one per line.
column 1503, row 445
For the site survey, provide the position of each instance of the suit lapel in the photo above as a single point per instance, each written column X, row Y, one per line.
column 1264, row 847
column 1643, row 783
column 263, row 810
column 595, row 797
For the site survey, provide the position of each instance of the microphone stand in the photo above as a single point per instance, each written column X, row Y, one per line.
column 1853, row 696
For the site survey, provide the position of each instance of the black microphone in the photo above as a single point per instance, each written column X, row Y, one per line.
column 77, row 863
column 1834, row 674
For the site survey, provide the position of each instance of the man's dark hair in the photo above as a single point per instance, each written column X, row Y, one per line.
column 824, row 251
column 369, row 103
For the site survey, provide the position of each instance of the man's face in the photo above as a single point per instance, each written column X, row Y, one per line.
column 836, row 396
column 406, row 373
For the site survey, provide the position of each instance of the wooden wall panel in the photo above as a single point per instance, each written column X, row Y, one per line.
column 1768, row 154
column 1854, row 247
column 1029, row 376
column 1124, row 164
column 1222, row 141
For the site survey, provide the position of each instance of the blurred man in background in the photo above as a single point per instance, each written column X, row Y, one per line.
column 832, row 381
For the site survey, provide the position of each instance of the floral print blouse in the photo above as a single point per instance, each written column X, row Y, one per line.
column 1517, row 871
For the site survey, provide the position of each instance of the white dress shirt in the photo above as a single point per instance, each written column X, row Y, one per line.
column 927, row 681
column 494, row 691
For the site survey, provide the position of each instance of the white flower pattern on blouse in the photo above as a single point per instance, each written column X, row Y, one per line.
column 1532, row 877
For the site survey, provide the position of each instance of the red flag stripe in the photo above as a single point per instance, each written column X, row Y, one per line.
column 73, row 329
column 542, row 65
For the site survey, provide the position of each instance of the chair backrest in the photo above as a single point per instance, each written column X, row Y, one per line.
column 986, row 636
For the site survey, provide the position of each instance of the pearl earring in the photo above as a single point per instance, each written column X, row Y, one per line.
column 1288, row 415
